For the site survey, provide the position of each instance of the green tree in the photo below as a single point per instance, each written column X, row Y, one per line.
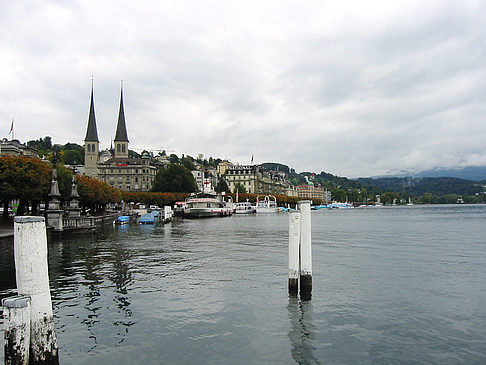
column 73, row 157
column 173, row 158
column 239, row 188
column 187, row 162
column 64, row 181
column 221, row 185
column 174, row 179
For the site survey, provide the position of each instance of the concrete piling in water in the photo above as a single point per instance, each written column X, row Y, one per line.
column 30, row 252
column 294, row 240
column 305, row 250
column 16, row 314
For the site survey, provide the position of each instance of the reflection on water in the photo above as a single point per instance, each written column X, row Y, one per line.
column 84, row 273
column 301, row 334
column 398, row 285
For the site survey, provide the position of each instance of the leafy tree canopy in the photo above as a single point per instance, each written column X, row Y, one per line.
column 221, row 186
column 174, row 179
column 239, row 188
column 23, row 178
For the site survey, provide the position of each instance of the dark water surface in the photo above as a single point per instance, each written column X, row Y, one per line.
column 391, row 285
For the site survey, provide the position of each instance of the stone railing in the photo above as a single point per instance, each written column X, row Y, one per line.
column 79, row 222
column 88, row 221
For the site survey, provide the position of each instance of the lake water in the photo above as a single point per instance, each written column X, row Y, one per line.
column 391, row 285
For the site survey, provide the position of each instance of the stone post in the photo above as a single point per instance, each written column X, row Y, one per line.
column 294, row 241
column 16, row 313
column 305, row 250
column 31, row 270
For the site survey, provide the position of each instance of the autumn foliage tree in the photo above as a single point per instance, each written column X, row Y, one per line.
column 95, row 194
column 23, row 178
column 150, row 198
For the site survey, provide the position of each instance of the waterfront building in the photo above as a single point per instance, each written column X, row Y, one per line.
column 15, row 148
column 255, row 180
column 311, row 192
column 291, row 190
column 223, row 166
column 206, row 179
column 114, row 166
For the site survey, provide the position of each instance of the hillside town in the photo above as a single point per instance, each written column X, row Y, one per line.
column 115, row 167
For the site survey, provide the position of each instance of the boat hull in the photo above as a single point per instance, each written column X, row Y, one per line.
column 206, row 212
column 266, row 210
column 247, row 211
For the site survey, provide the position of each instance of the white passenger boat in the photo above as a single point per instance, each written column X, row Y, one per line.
column 267, row 205
column 180, row 208
column 205, row 205
column 244, row 208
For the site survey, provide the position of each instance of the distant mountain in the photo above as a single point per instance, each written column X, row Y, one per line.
column 418, row 186
column 475, row 173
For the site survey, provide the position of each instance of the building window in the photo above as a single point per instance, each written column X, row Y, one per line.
column 123, row 148
column 117, row 147
column 89, row 147
column 93, row 148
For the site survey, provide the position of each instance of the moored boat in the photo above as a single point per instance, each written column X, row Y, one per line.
column 267, row 205
column 180, row 208
column 122, row 219
column 149, row 218
column 206, row 205
column 244, row 208
column 321, row 206
column 342, row 205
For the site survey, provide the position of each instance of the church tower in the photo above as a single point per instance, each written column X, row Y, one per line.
column 121, row 136
column 91, row 142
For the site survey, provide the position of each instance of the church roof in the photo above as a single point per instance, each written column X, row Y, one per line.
column 92, row 131
column 121, row 134
column 123, row 161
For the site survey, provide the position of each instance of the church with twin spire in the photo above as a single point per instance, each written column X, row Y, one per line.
column 114, row 166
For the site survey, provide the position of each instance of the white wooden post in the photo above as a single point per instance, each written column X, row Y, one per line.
column 30, row 252
column 16, row 313
column 305, row 250
column 167, row 213
column 294, row 240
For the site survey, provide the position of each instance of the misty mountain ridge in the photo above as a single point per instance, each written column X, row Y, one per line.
column 474, row 173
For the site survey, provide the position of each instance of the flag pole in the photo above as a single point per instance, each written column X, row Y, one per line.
column 12, row 129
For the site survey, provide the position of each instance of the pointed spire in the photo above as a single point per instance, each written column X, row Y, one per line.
column 121, row 128
column 92, row 131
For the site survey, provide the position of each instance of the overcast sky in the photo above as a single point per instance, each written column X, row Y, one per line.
column 354, row 88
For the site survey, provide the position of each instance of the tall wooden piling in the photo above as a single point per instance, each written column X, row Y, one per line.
column 16, row 314
column 30, row 251
column 305, row 250
column 294, row 240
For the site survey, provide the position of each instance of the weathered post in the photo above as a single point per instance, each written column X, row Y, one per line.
column 30, row 252
column 305, row 250
column 294, row 242
column 16, row 313
column 167, row 213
